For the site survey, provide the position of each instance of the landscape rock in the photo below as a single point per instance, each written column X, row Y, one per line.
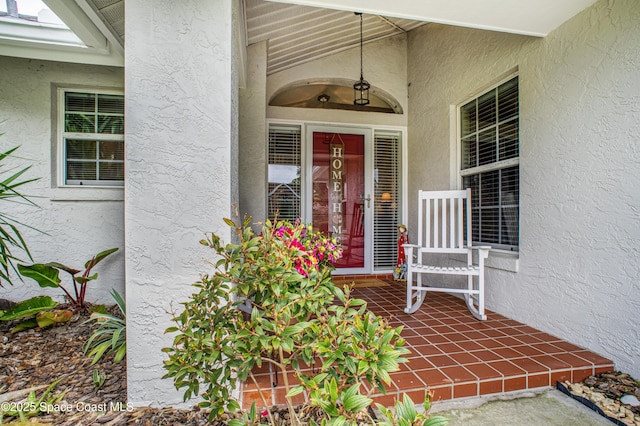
column 614, row 393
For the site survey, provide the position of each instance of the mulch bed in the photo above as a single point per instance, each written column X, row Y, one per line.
column 39, row 357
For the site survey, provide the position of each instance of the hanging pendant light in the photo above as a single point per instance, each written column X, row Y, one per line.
column 361, row 87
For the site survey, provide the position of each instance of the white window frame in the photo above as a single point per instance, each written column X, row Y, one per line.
column 62, row 135
column 501, row 164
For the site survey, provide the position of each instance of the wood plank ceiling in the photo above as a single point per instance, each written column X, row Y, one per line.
column 298, row 34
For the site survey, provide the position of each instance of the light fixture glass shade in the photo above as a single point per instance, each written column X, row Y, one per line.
column 361, row 92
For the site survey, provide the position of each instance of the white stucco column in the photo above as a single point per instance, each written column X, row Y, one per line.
column 252, row 134
column 181, row 144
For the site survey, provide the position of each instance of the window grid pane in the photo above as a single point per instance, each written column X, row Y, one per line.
column 469, row 152
column 487, row 147
column 81, row 149
column 468, row 118
column 110, row 170
column 111, row 124
column 495, row 193
column 508, row 142
column 80, row 123
column 81, row 170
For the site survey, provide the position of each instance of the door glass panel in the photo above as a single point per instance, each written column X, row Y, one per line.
column 338, row 193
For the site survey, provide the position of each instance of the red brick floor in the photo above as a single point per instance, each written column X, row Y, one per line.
column 453, row 355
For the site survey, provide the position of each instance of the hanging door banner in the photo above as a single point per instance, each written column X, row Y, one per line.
column 336, row 188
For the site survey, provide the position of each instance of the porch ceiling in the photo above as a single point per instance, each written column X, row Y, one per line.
column 298, row 34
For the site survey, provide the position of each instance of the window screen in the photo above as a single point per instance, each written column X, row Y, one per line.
column 283, row 197
column 387, row 198
column 93, row 139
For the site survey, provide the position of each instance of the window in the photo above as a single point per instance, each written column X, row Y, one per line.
column 386, row 218
column 489, row 142
column 283, row 197
column 92, row 138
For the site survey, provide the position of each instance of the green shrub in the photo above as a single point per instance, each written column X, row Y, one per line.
column 271, row 300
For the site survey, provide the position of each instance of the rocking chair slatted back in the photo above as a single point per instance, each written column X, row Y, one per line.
column 441, row 221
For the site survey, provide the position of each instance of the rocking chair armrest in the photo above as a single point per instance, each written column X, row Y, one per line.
column 410, row 246
column 409, row 251
column 483, row 251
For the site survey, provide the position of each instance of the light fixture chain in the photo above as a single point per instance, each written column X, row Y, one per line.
column 361, row 87
column 361, row 44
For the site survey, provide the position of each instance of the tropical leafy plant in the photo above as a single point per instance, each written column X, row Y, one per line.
column 32, row 405
column 35, row 312
column 271, row 300
column 48, row 275
column 28, row 308
column 405, row 414
column 99, row 378
column 11, row 240
column 110, row 337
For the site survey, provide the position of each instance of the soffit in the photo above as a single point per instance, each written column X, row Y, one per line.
column 111, row 12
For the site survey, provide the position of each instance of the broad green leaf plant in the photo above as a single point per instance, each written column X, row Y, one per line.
column 48, row 275
column 271, row 300
column 35, row 312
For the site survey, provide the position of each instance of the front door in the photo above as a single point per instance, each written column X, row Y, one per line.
column 341, row 192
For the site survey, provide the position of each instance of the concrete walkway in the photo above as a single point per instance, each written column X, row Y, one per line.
column 547, row 407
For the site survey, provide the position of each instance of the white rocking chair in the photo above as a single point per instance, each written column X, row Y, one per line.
column 441, row 230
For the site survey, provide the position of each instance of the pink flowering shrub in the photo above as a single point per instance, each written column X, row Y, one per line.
column 314, row 251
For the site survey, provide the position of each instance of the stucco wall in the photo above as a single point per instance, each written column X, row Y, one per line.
column 579, row 275
column 75, row 224
column 385, row 67
column 181, row 147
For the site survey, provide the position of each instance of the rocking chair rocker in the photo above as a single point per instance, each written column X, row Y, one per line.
column 442, row 231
